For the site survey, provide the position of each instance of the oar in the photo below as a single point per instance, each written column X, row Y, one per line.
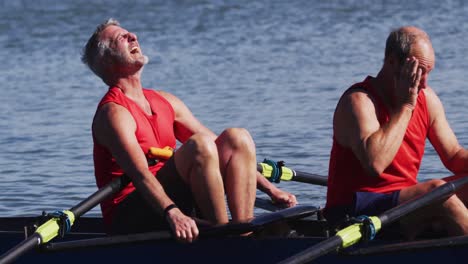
column 230, row 229
column 354, row 233
column 53, row 226
column 276, row 171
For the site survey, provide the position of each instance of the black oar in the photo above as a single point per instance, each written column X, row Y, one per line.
column 56, row 224
column 229, row 229
column 354, row 233
column 276, row 171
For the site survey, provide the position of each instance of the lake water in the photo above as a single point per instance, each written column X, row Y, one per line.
column 276, row 68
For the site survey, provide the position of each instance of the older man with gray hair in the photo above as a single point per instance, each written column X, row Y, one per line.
column 131, row 121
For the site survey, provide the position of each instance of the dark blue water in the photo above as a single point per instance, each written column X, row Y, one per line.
column 276, row 68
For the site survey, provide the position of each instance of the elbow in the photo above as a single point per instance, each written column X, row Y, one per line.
column 375, row 168
column 456, row 168
column 458, row 162
column 372, row 165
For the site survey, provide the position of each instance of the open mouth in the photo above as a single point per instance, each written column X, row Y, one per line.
column 134, row 50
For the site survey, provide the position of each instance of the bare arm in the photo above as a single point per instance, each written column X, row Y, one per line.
column 278, row 196
column 356, row 125
column 114, row 128
column 185, row 122
column 452, row 155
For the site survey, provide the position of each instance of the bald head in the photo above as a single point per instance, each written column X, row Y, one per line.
column 400, row 42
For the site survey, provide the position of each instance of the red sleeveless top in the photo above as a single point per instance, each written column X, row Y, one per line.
column 156, row 130
column 346, row 175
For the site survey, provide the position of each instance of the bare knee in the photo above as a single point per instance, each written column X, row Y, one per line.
column 202, row 146
column 409, row 193
column 237, row 138
column 434, row 183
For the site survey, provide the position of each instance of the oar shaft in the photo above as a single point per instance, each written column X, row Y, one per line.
column 109, row 241
column 319, row 249
column 344, row 239
column 25, row 246
column 100, row 195
column 310, row 178
column 439, row 194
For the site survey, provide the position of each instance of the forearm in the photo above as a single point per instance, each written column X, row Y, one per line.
column 152, row 191
column 264, row 185
column 381, row 147
column 279, row 197
column 183, row 227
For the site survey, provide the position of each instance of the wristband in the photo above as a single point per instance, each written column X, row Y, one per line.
column 168, row 208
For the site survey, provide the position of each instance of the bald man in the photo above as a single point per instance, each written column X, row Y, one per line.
column 380, row 127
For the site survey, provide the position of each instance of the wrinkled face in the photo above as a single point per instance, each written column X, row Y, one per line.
column 124, row 46
column 423, row 51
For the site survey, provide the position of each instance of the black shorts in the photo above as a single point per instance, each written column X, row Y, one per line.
column 135, row 215
column 364, row 203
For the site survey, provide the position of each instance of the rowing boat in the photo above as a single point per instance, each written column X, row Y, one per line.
column 293, row 235
column 277, row 236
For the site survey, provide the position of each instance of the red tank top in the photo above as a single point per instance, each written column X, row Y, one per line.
column 346, row 175
column 156, row 130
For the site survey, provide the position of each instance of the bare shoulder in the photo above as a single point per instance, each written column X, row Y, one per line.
column 177, row 104
column 431, row 97
column 355, row 117
column 112, row 115
column 107, row 111
column 434, row 105
column 354, row 99
column 168, row 96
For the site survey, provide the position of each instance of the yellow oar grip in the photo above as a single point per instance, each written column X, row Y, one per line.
column 286, row 175
column 352, row 234
column 164, row 153
column 50, row 229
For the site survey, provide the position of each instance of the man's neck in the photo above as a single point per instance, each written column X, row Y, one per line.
column 129, row 84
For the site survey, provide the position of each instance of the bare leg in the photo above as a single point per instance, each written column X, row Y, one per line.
column 451, row 215
column 238, row 167
column 198, row 163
